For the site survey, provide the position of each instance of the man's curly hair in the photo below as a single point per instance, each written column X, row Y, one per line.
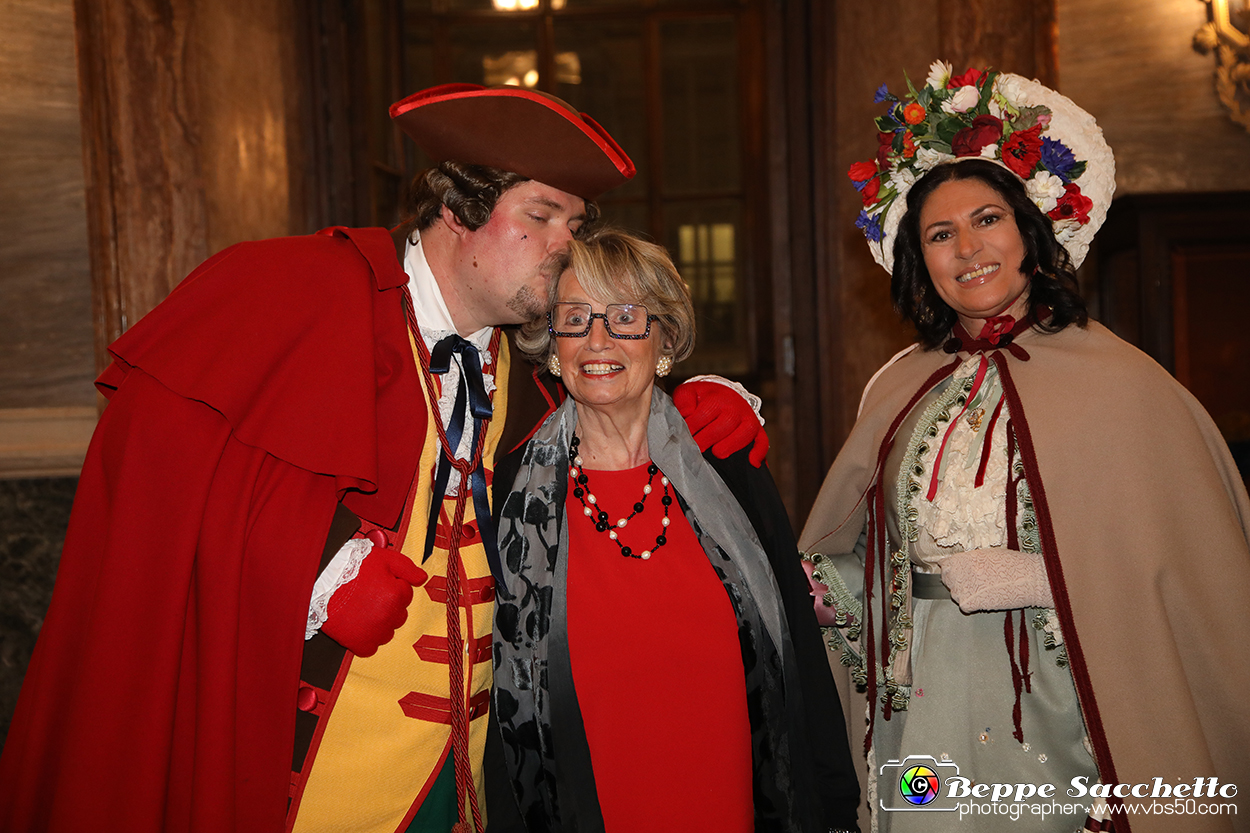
column 469, row 191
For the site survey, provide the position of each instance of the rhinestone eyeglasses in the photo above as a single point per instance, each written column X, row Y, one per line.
column 621, row 320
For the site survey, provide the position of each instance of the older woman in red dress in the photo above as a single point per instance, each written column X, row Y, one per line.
column 657, row 662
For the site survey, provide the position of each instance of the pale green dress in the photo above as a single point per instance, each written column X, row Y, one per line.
column 950, row 676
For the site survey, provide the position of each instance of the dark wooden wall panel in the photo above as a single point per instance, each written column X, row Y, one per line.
column 247, row 84
column 193, row 140
column 145, row 205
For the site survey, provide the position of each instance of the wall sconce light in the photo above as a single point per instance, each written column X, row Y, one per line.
column 1227, row 34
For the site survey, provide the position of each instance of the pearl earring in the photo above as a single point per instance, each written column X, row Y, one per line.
column 664, row 365
column 553, row 365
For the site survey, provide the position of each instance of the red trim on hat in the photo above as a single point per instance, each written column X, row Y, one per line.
column 439, row 137
column 438, row 93
column 593, row 130
column 625, row 165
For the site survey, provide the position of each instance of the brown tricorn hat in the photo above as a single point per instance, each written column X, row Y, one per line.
column 524, row 131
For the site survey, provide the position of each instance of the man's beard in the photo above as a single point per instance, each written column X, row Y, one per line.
column 530, row 305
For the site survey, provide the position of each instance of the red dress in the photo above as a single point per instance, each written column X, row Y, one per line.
column 657, row 669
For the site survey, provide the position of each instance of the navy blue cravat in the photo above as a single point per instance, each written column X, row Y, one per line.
column 471, row 365
column 473, row 388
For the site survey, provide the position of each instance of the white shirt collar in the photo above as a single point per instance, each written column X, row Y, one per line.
column 427, row 299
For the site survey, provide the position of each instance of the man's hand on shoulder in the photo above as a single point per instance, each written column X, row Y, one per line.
column 722, row 415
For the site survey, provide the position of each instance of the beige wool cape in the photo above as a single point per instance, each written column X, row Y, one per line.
column 1143, row 521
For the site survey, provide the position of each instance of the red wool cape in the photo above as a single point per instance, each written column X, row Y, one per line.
column 161, row 695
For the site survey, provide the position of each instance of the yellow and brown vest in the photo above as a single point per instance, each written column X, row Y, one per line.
column 373, row 733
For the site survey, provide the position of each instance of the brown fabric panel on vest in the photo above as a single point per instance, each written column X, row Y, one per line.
column 342, row 528
column 322, row 655
column 531, row 398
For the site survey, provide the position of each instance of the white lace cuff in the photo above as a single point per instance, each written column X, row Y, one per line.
column 754, row 401
column 342, row 568
column 996, row 578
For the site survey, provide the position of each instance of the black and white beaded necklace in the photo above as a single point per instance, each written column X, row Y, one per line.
column 592, row 510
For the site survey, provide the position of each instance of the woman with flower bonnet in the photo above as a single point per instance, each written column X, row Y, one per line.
column 658, row 666
column 1032, row 551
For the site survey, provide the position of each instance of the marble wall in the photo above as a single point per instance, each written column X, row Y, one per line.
column 1134, row 67
column 45, row 318
column 47, row 401
column 33, row 517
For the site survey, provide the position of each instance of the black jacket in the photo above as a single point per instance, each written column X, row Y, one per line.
column 820, row 756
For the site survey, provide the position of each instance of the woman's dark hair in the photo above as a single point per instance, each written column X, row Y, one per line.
column 469, row 191
column 1052, row 277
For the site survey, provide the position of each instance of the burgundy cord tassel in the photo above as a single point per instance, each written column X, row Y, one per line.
column 1024, row 655
column 985, row 446
column 1013, row 485
column 1016, row 677
column 1020, row 676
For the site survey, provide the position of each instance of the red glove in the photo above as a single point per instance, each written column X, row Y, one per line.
column 721, row 420
column 364, row 614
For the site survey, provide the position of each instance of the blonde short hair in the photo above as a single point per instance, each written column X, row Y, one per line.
column 622, row 268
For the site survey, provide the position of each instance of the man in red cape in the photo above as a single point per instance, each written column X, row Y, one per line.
column 321, row 406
